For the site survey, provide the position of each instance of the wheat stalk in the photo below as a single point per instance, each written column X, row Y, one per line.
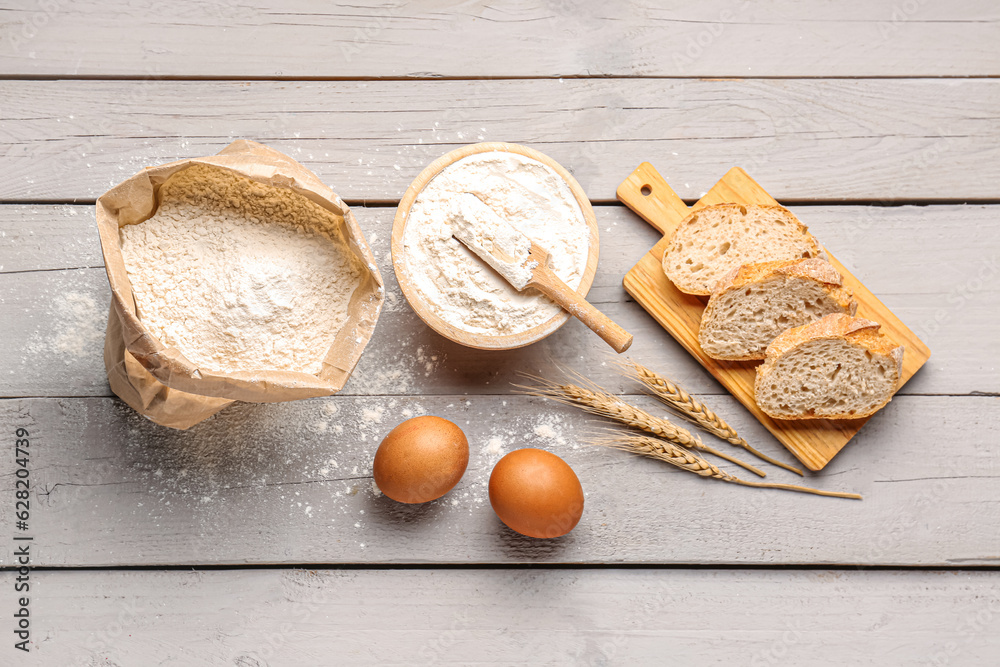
column 669, row 452
column 690, row 407
column 598, row 402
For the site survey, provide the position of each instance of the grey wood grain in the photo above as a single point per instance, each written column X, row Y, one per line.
column 802, row 139
column 941, row 280
column 500, row 617
column 306, row 38
column 290, row 483
column 46, row 238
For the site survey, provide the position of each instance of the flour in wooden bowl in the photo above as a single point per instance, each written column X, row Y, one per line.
column 239, row 275
column 458, row 286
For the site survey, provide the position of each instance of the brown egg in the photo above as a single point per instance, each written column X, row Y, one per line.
column 536, row 493
column 421, row 459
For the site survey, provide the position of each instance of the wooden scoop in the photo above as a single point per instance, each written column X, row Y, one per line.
column 523, row 264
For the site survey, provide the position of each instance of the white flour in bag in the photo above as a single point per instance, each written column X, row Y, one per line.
column 456, row 284
column 239, row 275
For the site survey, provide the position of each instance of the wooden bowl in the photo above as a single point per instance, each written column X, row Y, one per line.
column 484, row 341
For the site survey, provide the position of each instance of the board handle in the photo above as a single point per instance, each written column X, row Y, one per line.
column 646, row 193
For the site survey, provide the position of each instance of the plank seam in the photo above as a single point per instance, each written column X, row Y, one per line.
column 68, row 268
column 435, row 78
column 334, row 567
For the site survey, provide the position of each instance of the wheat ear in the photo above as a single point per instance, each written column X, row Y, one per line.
column 599, row 402
column 675, row 397
column 666, row 451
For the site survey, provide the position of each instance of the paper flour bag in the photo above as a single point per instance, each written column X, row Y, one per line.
column 232, row 295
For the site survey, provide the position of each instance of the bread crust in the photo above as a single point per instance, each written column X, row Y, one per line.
column 854, row 330
column 810, row 269
column 731, row 209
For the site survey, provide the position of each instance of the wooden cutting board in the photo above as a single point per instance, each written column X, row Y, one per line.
column 813, row 441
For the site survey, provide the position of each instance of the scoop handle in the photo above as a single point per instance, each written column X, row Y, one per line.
column 551, row 286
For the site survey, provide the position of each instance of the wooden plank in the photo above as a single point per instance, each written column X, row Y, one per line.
column 813, row 442
column 46, row 238
column 953, row 307
column 803, row 139
column 491, row 617
column 290, row 483
column 374, row 38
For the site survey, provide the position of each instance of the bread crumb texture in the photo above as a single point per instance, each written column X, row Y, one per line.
column 839, row 367
column 753, row 305
column 714, row 240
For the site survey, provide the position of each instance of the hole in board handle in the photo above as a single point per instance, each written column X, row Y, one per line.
column 646, row 190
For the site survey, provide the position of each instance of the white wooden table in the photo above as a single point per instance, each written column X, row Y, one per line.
column 255, row 538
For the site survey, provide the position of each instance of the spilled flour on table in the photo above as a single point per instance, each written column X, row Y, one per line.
column 78, row 332
column 373, row 415
column 428, row 361
column 398, row 370
column 494, row 447
column 81, row 325
column 551, row 429
column 545, row 431
column 272, row 465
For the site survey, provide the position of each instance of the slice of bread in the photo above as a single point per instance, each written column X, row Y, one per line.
column 838, row 367
column 714, row 240
column 754, row 303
